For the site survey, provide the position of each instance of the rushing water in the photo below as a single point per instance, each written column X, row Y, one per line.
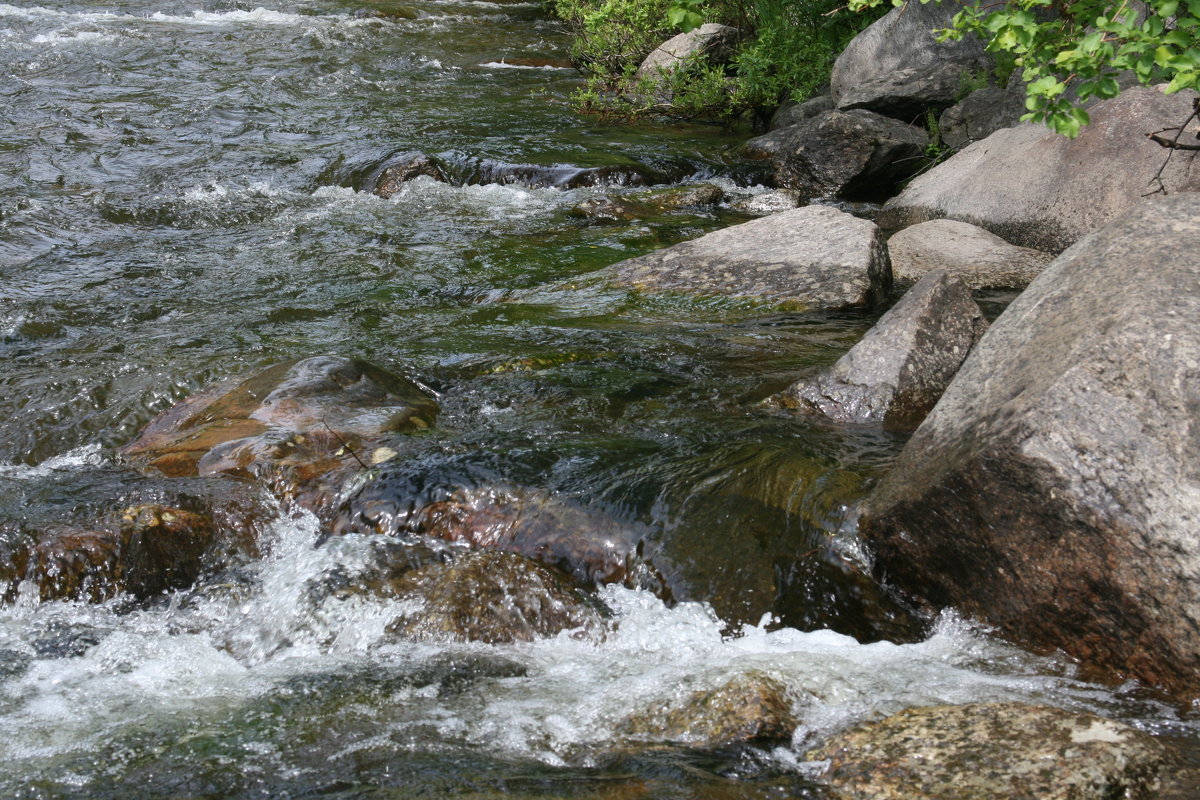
column 180, row 202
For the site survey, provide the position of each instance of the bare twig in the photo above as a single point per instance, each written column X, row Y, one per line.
column 1171, row 146
column 344, row 444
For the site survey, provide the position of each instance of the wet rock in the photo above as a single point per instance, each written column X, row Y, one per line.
column 992, row 751
column 696, row 195
column 1052, row 491
column 791, row 113
column 711, row 43
column 1035, row 188
column 751, row 706
column 389, row 178
column 982, row 259
column 904, row 363
column 608, row 208
column 643, row 204
column 292, row 426
column 493, row 597
column 980, row 114
column 815, row 256
column 147, row 550
column 558, row 176
column 769, row 202
column 898, row 68
column 851, row 154
column 585, row 543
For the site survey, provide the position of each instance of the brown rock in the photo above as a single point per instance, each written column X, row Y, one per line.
column 748, row 707
column 493, row 597
column 290, row 425
column 992, row 751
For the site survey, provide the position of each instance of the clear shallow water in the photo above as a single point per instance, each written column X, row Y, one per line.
column 179, row 203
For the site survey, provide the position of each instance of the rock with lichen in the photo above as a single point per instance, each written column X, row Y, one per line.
column 992, row 751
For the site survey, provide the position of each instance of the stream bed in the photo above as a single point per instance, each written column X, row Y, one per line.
column 182, row 201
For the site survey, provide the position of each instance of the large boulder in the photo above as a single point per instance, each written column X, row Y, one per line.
column 1054, row 488
column 896, row 373
column 850, row 154
column 290, row 425
column 898, row 68
column 710, row 42
column 1035, row 188
column 979, row 257
column 992, row 751
column 816, row 256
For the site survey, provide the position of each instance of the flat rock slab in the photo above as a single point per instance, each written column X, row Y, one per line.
column 1035, row 188
column 981, row 258
column 992, row 751
column 814, row 257
column 900, row 368
column 1054, row 489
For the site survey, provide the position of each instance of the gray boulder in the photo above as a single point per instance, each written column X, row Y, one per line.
column 1035, row 188
column 710, row 42
column 992, row 751
column 792, row 113
column 851, row 154
column 982, row 259
column 980, row 114
column 896, row 66
column 896, row 373
column 1054, row 490
column 814, row 256
column 768, row 202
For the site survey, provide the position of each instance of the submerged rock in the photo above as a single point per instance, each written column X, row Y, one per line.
column 493, row 597
column 1053, row 490
column 850, row 154
column 898, row 68
column 751, row 706
column 614, row 208
column 389, row 178
column 815, row 256
column 992, row 751
column 1035, row 188
column 982, row 259
column 291, row 425
column 898, row 371
column 583, row 542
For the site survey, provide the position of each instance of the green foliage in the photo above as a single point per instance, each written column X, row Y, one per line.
column 1069, row 52
column 787, row 50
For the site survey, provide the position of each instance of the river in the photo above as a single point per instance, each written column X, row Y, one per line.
column 181, row 201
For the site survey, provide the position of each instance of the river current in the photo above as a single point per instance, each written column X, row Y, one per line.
column 181, row 201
